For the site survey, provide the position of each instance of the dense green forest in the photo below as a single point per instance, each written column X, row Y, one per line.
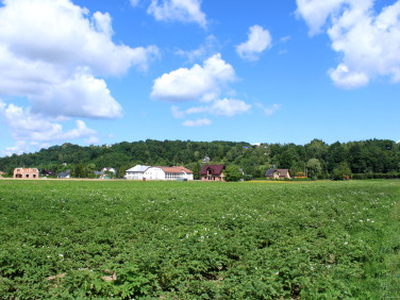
column 364, row 159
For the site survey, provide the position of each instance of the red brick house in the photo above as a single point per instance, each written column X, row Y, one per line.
column 212, row 173
column 26, row 173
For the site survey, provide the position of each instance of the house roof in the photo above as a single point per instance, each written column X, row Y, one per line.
column 282, row 172
column 26, row 170
column 215, row 169
column 176, row 170
column 138, row 168
column 63, row 174
column 48, row 172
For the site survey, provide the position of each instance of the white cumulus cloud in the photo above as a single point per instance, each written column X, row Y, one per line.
column 27, row 126
column 368, row 41
column 220, row 107
column 95, row 100
column 229, row 107
column 53, row 53
column 177, row 10
column 196, row 123
column 46, row 45
column 344, row 78
column 259, row 39
column 19, row 148
column 197, row 83
column 315, row 12
column 203, row 84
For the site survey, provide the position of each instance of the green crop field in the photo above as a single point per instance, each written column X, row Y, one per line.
column 87, row 239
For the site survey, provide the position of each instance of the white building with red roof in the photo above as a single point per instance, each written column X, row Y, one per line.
column 168, row 173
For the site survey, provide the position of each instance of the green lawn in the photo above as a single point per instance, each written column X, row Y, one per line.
column 69, row 239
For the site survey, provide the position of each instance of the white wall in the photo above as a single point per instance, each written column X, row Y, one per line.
column 134, row 175
column 154, row 173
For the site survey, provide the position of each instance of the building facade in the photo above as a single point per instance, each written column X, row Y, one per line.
column 168, row 173
column 212, row 173
column 26, row 173
column 136, row 173
column 278, row 174
column 140, row 172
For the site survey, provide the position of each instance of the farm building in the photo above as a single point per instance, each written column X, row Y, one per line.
column 168, row 173
column 277, row 174
column 136, row 173
column 212, row 173
column 31, row 173
column 140, row 172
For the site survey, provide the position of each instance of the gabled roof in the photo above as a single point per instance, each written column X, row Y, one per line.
column 138, row 168
column 215, row 169
column 48, row 172
column 64, row 174
column 176, row 170
column 282, row 172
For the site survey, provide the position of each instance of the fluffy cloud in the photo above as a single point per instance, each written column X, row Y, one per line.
column 259, row 40
column 200, row 83
column 344, row 78
column 177, row 10
column 94, row 99
column 27, row 126
column 229, row 107
column 368, row 41
column 197, row 83
column 19, row 148
column 196, row 123
column 53, row 52
column 315, row 12
column 221, row 107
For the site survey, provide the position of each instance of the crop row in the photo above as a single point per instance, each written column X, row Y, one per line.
column 203, row 240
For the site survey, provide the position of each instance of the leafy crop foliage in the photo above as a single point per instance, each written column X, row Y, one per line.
column 79, row 239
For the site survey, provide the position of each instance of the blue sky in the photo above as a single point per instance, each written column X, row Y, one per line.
column 103, row 72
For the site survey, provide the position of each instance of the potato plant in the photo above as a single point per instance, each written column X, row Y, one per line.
column 123, row 239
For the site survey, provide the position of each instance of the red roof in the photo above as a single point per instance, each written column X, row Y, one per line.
column 176, row 170
column 215, row 169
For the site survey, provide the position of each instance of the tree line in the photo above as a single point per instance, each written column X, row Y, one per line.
column 317, row 159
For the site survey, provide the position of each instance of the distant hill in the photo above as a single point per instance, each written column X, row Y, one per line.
column 370, row 156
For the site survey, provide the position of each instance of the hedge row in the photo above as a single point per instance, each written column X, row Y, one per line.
column 391, row 175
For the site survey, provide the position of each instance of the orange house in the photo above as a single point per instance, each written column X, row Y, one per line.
column 27, row 173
